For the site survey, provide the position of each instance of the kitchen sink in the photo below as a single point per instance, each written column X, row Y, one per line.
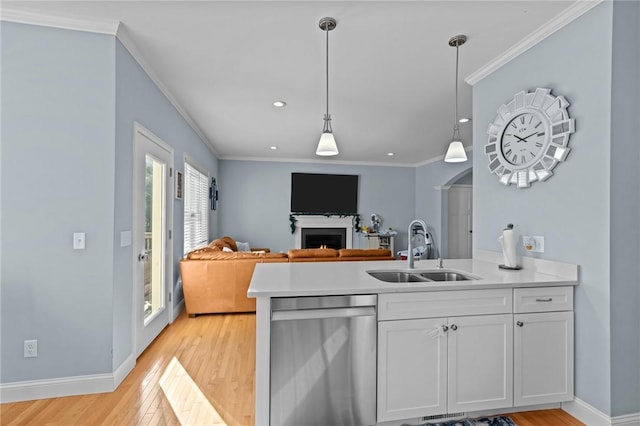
column 397, row 276
column 419, row 276
column 445, row 276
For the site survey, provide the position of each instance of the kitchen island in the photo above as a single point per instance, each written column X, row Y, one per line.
column 425, row 331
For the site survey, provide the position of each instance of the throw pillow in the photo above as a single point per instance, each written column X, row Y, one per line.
column 243, row 246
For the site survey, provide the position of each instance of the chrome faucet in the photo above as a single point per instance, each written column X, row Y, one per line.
column 410, row 239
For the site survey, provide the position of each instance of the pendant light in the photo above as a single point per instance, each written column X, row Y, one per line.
column 327, row 144
column 455, row 153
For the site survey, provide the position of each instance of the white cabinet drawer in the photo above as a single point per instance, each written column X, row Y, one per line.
column 542, row 299
column 431, row 304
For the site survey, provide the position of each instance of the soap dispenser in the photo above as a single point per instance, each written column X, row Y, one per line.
column 508, row 242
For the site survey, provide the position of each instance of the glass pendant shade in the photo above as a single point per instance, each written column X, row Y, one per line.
column 327, row 145
column 455, row 153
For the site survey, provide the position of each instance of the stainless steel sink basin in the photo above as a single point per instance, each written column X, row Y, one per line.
column 397, row 276
column 419, row 276
column 445, row 276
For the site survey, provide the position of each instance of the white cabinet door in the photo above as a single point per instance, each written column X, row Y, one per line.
column 412, row 368
column 543, row 358
column 480, row 359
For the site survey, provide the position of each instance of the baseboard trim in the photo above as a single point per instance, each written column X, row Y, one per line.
column 123, row 370
column 54, row 388
column 586, row 413
column 177, row 310
column 626, row 420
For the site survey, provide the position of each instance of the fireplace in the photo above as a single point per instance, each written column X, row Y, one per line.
column 307, row 223
column 324, row 237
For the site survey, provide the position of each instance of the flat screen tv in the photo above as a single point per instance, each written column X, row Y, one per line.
column 321, row 193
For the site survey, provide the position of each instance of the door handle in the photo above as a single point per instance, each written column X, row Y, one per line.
column 143, row 256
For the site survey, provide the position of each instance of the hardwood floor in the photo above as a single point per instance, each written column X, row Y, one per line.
column 199, row 371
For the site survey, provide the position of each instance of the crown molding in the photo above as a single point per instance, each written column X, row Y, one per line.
column 102, row 26
column 314, row 161
column 110, row 27
column 128, row 44
column 574, row 11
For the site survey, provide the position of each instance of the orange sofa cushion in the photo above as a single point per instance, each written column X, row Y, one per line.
column 364, row 254
column 313, row 255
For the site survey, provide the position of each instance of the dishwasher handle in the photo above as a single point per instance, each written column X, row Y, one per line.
column 301, row 314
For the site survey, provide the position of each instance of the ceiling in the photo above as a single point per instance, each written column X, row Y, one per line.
column 391, row 70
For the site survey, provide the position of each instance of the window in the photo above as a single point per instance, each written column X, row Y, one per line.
column 196, row 194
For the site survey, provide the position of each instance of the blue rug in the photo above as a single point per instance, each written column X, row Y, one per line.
column 480, row 421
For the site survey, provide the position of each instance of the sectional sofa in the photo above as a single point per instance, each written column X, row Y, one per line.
column 215, row 278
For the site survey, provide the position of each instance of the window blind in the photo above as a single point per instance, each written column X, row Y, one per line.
column 196, row 194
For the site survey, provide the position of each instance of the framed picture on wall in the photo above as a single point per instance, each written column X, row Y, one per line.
column 179, row 186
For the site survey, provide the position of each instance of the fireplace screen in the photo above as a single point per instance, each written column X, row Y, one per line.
column 324, row 237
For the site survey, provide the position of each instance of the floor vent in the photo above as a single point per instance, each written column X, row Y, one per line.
column 444, row 416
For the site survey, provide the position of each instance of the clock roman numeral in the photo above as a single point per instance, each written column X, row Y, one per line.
column 508, row 153
column 513, row 124
column 541, row 134
column 522, row 119
column 539, row 144
column 532, row 154
column 530, row 119
column 507, row 144
column 515, row 158
column 538, row 125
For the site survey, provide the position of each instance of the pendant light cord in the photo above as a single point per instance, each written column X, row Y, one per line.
column 327, row 118
column 456, row 131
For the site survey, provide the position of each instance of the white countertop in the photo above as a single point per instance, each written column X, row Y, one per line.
column 334, row 278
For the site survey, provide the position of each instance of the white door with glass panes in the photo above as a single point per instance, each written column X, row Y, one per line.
column 152, row 224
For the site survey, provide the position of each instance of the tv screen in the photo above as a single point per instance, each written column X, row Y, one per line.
column 320, row 193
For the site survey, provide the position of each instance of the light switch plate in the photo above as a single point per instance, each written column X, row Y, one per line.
column 78, row 240
column 125, row 238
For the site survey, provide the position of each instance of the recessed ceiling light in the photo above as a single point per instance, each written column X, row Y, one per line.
column 464, row 120
column 391, row 154
column 273, row 148
column 279, row 104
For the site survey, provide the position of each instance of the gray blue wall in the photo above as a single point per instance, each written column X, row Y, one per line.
column 58, row 125
column 625, row 211
column 69, row 100
column 139, row 99
column 573, row 210
column 432, row 180
column 255, row 199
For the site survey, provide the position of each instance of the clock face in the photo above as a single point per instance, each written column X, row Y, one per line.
column 529, row 137
column 523, row 139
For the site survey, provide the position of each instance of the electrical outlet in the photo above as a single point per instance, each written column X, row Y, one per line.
column 30, row 348
column 534, row 244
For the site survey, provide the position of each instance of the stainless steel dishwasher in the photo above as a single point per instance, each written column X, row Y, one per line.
column 323, row 361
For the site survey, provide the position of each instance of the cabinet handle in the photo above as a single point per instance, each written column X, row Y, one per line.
column 545, row 300
column 519, row 323
column 454, row 327
column 445, row 328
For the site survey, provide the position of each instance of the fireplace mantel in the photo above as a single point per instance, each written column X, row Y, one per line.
column 320, row 221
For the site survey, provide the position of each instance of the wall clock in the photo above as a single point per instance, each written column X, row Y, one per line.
column 529, row 137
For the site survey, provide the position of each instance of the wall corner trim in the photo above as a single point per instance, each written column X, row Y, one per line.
column 102, row 26
column 574, row 11
column 123, row 370
column 586, row 413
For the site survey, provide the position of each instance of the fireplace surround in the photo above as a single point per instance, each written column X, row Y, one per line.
column 315, row 222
